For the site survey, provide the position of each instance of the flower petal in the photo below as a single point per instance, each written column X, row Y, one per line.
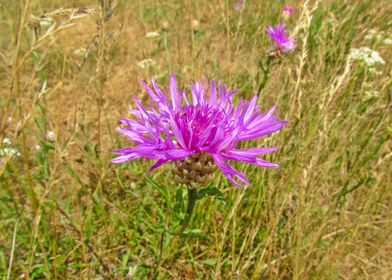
column 175, row 97
column 125, row 158
column 229, row 171
column 250, row 156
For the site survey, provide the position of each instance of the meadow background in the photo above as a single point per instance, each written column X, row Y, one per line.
column 69, row 69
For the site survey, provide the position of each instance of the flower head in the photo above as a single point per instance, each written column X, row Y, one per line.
column 281, row 38
column 287, row 11
column 6, row 150
column 366, row 56
column 239, row 5
column 197, row 134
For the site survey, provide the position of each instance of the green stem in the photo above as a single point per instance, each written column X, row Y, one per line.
column 266, row 72
column 192, row 197
column 159, row 260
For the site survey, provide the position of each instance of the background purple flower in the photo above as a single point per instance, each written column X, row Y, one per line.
column 281, row 38
column 239, row 5
column 175, row 127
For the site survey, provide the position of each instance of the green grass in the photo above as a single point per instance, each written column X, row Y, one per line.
column 66, row 212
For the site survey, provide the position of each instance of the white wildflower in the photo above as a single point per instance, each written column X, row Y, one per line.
column 9, row 152
column 165, row 25
column 6, row 151
column 195, row 24
column 146, row 63
column 50, row 136
column 367, row 56
column 6, row 141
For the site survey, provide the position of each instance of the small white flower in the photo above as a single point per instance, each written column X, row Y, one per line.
column 6, row 141
column 165, row 25
column 5, row 152
column 50, row 136
column 152, row 34
column 367, row 56
column 146, row 63
column 195, row 24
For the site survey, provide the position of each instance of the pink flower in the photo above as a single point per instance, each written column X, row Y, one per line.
column 239, row 5
column 288, row 10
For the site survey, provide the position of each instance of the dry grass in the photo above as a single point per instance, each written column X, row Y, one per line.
column 67, row 213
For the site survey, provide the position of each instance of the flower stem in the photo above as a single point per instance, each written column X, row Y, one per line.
column 266, row 70
column 192, row 197
column 160, row 259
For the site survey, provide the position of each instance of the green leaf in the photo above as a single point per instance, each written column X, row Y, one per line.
column 211, row 191
column 72, row 172
column 47, row 145
column 125, row 259
column 179, row 208
column 210, row 262
column 156, row 229
column 195, row 233
column 89, row 227
column 161, row 191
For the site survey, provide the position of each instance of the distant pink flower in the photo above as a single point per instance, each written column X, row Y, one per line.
column 288, row 10
column 239, row 5
column 282, row 39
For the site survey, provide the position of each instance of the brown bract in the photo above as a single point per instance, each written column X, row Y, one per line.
column 195, row 171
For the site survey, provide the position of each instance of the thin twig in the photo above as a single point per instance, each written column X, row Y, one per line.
column 160, row 259
column 12, row 251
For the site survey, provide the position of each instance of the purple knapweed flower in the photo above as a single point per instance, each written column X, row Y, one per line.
column 282, row 39
column 288, row 10
column 239, row 5
column 175, row 128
